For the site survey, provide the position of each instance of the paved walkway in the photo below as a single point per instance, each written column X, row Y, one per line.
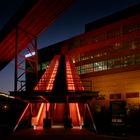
column 62, row 134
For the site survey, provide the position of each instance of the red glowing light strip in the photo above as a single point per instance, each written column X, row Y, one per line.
column 71, row 86
column 73, row 78
column 74, row 109
column 55, row 106
column 52, row 78
column 40, row 111
column 74, row 114
column 49, row 75
column 48, row 106
column 21, row 116
column 78, row 112
column 70, row 81
column 91, row 118
column 76, row 76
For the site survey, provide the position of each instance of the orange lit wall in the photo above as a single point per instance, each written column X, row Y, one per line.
column 125, row 82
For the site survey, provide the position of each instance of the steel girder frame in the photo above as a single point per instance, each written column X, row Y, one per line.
column 31, row 57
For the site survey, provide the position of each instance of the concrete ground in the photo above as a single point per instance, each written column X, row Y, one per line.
column 62, row 134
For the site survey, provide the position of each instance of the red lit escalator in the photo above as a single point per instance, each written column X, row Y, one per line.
column 74, row 84
column 41, row 115
column 74, row 114
column 58, row 113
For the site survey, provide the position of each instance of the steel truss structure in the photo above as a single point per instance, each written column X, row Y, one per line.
column 30, row 55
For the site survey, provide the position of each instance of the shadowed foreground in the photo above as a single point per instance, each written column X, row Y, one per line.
column 61, row 134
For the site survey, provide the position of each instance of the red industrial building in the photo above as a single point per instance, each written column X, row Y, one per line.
column 107, row 59
column 75, row 81
column 107, row 55
column 58, row 95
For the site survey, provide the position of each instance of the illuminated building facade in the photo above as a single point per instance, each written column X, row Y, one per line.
column 107, row 55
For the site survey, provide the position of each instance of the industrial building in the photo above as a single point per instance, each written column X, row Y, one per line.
column 106, row 56
column 107, row 60
column 90, row 80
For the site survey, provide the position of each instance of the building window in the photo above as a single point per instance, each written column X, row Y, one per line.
column 132, row 95
column 87, row 85
column 131, row 28
column 113, row 33
column 115, row 96
column 137, row 42
column 84, row 58
column 74, row 44
column 100, row 66
column 85, row 41
column 99, row 37
column 109, row 64
column 78, row 69
column 129, row 60
column 137, row 59
column 44, row 65
column 86, row 68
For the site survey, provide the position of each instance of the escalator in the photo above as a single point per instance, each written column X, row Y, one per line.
column 74, row 114
column 58, row 113
column 37, row 121
column 59, row 103
column 61, row 80
column 42, row 116
column 59, row 87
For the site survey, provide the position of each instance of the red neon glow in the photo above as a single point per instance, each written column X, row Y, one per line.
column 73, row 114
column 47, row 80
column 73, row 80
column 58, row 113
column 21, row 116
column 39, row 112
column 91, row 118
column 48, row 106
column 38, row 120
column 69, row 77
column 55, row 106
column 73, row 84
column 78, row 113
column 52, row 78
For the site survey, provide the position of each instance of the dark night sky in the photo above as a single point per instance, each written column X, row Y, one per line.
column 69, row 24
